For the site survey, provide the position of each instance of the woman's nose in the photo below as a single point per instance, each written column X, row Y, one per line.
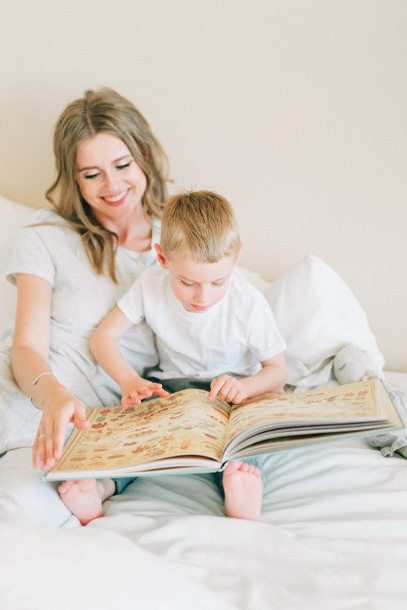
column 111, row 179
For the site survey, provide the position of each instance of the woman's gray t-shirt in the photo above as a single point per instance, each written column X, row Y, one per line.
column 50, row 249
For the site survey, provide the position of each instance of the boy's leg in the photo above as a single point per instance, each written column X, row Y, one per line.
column 242, row 480
column 121, row 484
column 182, row 383
column 85, row 497
column 243, row 488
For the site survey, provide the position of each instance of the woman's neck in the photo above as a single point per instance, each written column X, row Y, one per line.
column 134, row 232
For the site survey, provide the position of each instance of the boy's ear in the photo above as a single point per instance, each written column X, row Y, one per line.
column 160, row 256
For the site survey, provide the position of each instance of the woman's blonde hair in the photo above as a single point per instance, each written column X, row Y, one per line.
column 202, row 224
column 103, row 111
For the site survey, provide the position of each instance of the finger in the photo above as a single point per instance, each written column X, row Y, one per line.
column 42, row 448
column 49, row 448
column 60, row 427
column 137, row 396
column 231, row 395
column 215, row 387
column 238, row 398
column 130, row 399
column 144, row 392
column 225, row 389
column 157, row 388
column 40, row 452
column 79, row 417
column 36, row 451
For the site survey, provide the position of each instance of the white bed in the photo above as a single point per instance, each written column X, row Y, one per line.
column 334, row 525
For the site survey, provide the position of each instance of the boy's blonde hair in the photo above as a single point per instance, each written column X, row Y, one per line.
column 103, row 111
column 202, row 224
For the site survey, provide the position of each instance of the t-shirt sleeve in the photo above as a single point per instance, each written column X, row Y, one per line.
column 31, row 255
column 265, row 340
column 132, row 302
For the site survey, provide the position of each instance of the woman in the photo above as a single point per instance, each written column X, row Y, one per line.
column 73, row 262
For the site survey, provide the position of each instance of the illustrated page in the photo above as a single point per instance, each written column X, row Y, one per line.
column 352, row 402
column 183, row 424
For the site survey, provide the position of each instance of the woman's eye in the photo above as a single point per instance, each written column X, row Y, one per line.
column 123, row 165
column 91, row 176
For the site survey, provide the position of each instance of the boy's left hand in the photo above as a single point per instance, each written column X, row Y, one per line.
column 134, row 393
column 228, row 388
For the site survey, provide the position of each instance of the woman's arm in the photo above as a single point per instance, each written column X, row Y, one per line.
column 104, row 345
column 29, row 359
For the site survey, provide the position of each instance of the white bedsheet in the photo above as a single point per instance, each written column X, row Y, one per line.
column 333, row 536
column 42, row 568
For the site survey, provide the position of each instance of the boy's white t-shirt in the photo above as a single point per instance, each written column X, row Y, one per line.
column 233, row 336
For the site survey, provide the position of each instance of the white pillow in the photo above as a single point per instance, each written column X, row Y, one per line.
column 317, row 314
column 12, row 217
column 254, row 278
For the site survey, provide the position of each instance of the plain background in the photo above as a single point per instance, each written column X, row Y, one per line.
column 294, row 110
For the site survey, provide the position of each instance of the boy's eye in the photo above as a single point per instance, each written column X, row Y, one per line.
column 187, row 283
column 218, row 283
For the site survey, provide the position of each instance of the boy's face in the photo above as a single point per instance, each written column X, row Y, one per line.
column 198, row 286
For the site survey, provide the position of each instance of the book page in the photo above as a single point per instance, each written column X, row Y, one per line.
column 183, row 424
column 350, row 403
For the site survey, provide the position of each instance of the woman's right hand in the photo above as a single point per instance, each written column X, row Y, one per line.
column 30, row 360
column 57, row 412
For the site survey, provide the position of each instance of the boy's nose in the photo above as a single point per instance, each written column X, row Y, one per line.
column 200, row 294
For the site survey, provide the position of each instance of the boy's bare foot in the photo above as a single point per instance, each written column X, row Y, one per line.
column 84, row 498
column 243, row 491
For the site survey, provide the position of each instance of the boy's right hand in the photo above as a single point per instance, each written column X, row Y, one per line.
column 136, row 390
column 228, row 388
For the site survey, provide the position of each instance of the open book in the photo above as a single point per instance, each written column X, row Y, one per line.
column 187, row 433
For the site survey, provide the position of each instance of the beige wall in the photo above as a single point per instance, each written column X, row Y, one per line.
column 295, row 110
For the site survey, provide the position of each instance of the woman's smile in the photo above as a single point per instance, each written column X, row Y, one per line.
column 116, row 200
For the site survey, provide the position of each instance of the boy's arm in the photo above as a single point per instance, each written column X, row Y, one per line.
column 105, row 349
column 270, row 379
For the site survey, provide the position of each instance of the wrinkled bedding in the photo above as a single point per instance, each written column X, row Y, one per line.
column 333, row 536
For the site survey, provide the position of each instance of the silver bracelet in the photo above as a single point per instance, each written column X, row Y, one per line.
column 40, row 375
column 33, row 404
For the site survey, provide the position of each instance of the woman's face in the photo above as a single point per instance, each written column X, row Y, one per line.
column 109, row 178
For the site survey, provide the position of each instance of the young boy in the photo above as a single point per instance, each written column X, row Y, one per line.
column 213, row 330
